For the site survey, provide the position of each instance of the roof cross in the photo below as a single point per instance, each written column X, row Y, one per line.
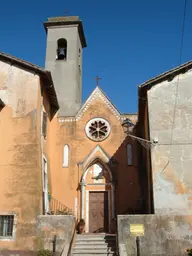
column 97, row 80
column 66, row 12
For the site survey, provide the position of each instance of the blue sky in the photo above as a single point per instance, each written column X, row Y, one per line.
column 128, row 42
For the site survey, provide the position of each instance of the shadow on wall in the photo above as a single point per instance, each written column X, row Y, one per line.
column 2, row 105
column 127, row 178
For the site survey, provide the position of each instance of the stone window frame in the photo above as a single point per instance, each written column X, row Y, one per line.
column 45, row 190
column 44, row 124
column 13, row 237
column 66, row 156
column 129, row 153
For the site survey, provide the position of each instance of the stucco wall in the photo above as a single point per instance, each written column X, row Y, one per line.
column 60, row 226
column 163, row 235
column 171, row 164
column 20, row 151
column 66, row 72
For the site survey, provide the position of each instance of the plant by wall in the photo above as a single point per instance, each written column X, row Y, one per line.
column 44, row 253
column 189, row 252
column 64, row 212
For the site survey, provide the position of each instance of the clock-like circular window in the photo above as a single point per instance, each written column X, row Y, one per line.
column 97, row 129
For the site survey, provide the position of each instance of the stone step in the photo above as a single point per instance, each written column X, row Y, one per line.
column 93, row 246
column 98, row 250
column 94, row 254
column 85, row 244
column 98, row 241
column 92, row 251
column 94, row 240
column 95, row 237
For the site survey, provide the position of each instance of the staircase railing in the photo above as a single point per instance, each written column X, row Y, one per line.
column 72, row 241
column 57, row 208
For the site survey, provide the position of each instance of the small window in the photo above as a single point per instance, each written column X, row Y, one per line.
column 45, row 187
column 66, row 156
column 6, row 225
column 44, row 124
column 62, row 49
column 129, row 154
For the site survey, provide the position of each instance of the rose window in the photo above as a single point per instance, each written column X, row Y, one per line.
column 97, row 129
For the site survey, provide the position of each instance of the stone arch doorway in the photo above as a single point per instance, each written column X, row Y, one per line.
column 97, row 197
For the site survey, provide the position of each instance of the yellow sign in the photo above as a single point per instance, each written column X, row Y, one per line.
column 137, row 229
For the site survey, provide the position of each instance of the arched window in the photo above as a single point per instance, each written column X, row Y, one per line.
column 62, row 49
column 66, row 156
column 129, row 154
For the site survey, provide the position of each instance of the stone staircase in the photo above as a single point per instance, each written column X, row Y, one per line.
column 94, row 244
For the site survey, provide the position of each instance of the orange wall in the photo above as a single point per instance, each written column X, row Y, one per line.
column 65, row 181
column 20, row 154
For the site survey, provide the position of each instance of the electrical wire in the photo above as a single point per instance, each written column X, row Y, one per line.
column 180, row 59
column 177, row 85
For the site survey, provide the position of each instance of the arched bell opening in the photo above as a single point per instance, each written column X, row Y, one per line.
column 62, row 49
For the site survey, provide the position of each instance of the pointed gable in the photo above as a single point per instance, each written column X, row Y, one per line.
column 2, row 104
column 97, row 93
column 97, row 152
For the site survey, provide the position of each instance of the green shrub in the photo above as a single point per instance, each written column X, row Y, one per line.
column 64, row 212
column 189, row 251
column 44, row 253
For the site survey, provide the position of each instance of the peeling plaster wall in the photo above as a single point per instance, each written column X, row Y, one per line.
column 163, row 235
column 171, row 164
column 20, row 154
column 61, row 226
column 18, row 90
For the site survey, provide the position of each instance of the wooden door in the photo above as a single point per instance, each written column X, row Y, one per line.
column 98, row 212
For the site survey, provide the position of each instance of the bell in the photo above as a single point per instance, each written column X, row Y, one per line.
column 61, row 53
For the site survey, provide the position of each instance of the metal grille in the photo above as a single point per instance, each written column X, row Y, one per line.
column 98, row 130
column 44, row 128
column 57, row 208
column 6, row 225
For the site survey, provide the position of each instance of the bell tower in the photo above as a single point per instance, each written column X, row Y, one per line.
column 65, row 41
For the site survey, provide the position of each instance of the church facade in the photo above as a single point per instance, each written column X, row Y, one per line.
column 89, row 163
column 93, row 166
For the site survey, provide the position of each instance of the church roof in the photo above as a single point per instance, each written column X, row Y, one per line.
column 98, row 93
column 167, row 75
column 2, row 104
column 45, row 76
